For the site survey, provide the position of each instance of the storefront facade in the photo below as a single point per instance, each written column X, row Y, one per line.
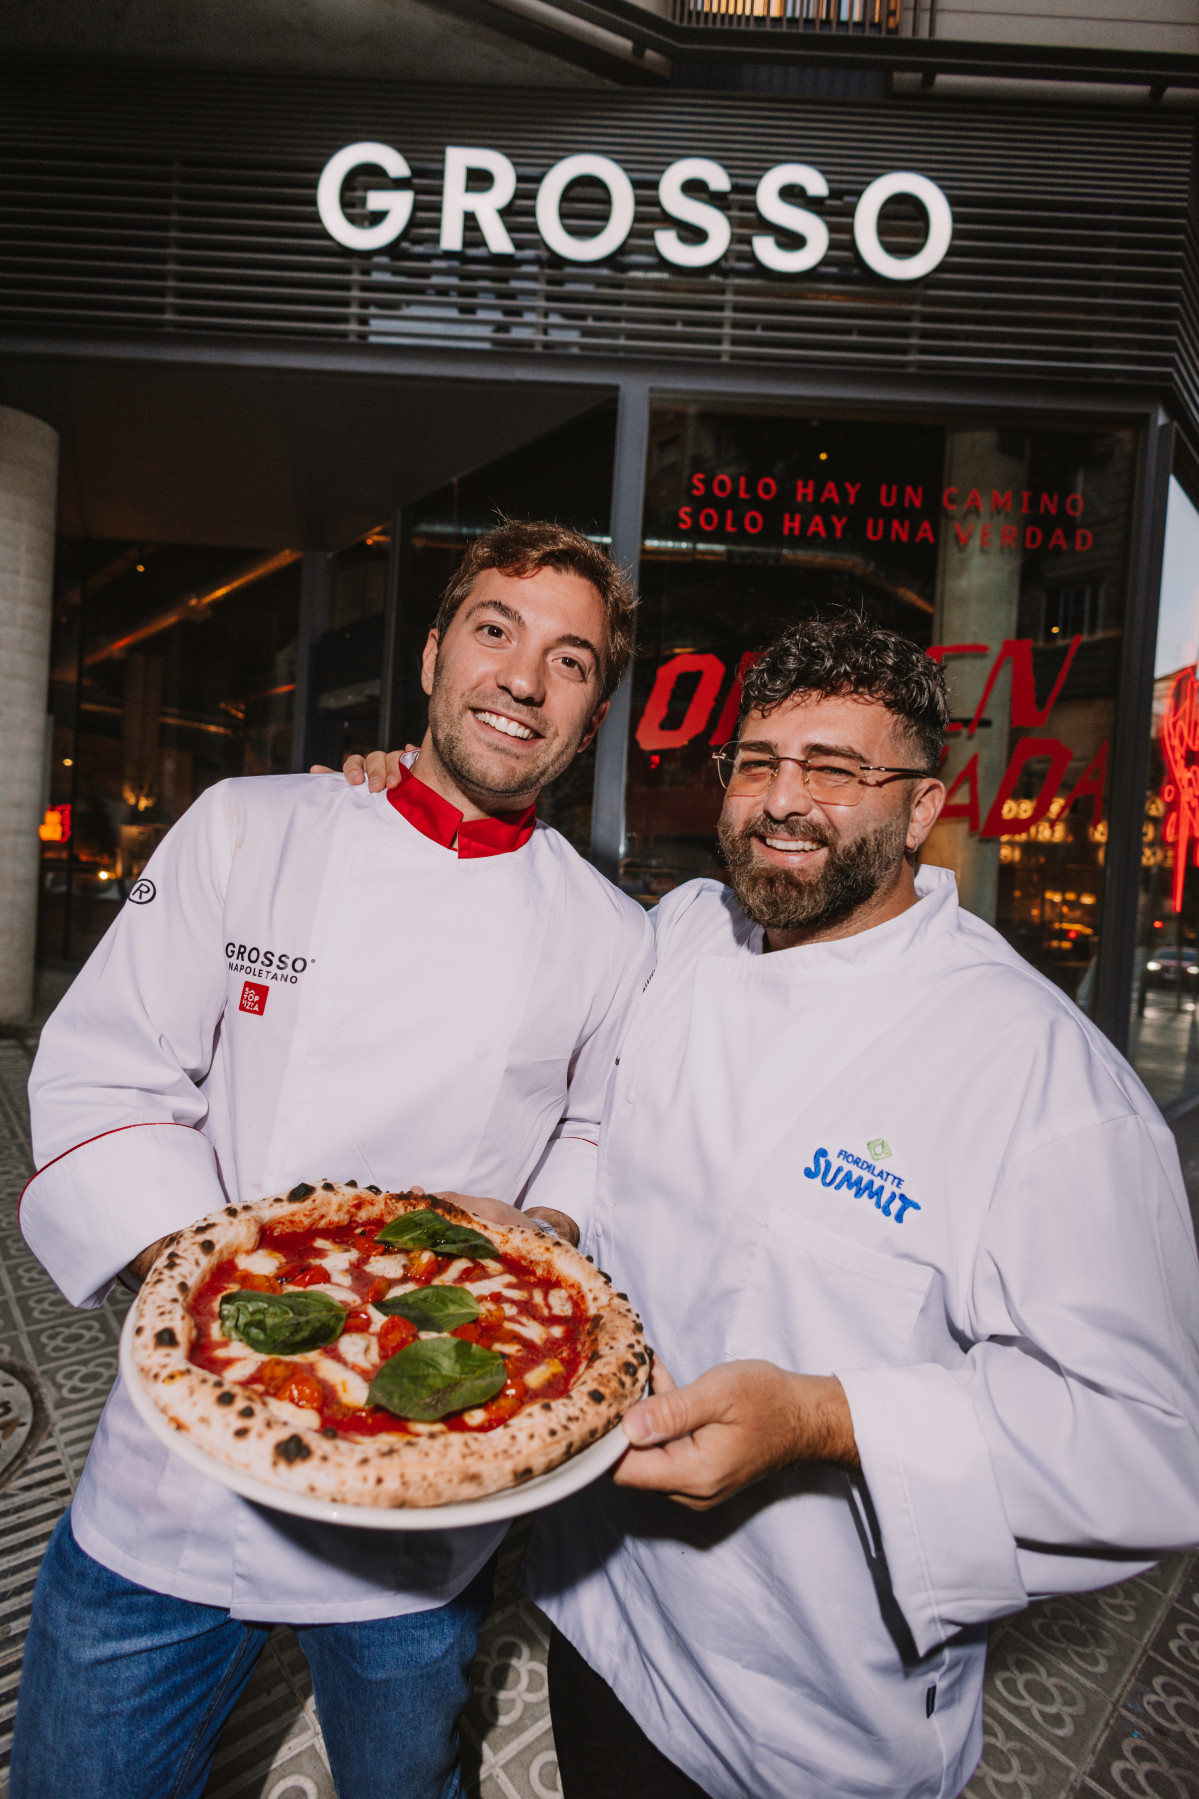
column 935, row 358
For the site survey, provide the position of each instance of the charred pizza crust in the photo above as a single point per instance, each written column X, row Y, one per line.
column 244, row 1428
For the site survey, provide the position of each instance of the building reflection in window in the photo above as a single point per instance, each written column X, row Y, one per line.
column 1002, row 552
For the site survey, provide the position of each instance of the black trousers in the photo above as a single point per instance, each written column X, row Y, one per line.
column 602, row 1752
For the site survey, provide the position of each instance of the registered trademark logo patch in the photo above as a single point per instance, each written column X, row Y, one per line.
column 878, row 1149
column 142, row 892
column 253, row 998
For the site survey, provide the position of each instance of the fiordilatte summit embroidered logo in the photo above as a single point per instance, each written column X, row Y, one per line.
column 878, row 1184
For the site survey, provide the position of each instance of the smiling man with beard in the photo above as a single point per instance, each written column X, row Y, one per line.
column 911, row 1238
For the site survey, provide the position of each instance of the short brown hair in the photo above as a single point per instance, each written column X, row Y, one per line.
column 521, row 547
column 849, row 655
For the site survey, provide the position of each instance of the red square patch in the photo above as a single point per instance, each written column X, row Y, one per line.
column 253, row 998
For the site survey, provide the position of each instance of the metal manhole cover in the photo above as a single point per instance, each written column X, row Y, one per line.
column 22, row 1418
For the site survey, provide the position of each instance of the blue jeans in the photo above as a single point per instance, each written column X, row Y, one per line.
column 124, row 1691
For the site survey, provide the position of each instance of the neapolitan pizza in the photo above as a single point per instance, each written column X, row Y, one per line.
column 383, row 1349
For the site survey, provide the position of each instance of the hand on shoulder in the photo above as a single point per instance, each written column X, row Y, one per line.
column 379, row 768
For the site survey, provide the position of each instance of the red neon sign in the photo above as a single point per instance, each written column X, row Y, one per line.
column 1180, row 740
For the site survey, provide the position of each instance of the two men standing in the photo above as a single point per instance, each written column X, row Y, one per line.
column 908, row 1236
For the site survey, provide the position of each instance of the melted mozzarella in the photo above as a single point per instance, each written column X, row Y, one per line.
column 537, row 1377
column 242, row 1367
column 560, row 1303
column 391, row 1268
column 336, row 1260
column 259, row 1261
column 347, row 1295
column 528, row 1327
column 494, row 1284
column 451, row 1274
column 350, row 1388
column 359, row 1348
column 302, row 1415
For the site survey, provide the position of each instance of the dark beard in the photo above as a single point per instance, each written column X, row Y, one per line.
column 780, row 900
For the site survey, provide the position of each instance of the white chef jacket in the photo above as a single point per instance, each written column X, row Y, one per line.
column 906, row 1159
column 304, row 986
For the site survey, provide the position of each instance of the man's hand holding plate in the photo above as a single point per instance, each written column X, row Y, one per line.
column 739, row 1421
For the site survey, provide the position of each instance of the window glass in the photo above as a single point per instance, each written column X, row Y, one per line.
column 347, row 657
column 172, row 666
column 1164, row 1043
column 1000, row 551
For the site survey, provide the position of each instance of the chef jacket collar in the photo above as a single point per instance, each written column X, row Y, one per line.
column 436, row 818
column 935, row 915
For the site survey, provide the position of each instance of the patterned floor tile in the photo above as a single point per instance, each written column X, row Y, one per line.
column 1041, row 1697
column 1095, row 1697
column 1015, row 1765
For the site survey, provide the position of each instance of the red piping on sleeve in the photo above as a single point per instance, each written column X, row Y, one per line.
column 149, row 1125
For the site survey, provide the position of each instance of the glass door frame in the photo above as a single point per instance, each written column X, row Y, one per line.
column 1130, row 747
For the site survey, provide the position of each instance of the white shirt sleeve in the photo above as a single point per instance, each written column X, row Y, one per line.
column 115, row 1092
column 564, row 1178
column 1064, row 1453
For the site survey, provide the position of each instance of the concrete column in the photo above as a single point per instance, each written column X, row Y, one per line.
column 978, row 601
column 28, row 496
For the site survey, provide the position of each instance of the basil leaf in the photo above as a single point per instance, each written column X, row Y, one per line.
column 429, row 1230
column 436, row 1376
column 433, row 1308
column 281, row 1323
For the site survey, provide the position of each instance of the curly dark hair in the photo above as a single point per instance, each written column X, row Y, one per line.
column 849, row 655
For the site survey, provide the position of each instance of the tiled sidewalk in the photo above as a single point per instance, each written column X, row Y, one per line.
column 1088, row 1698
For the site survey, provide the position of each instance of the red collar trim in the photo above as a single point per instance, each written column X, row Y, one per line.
column 435, row 818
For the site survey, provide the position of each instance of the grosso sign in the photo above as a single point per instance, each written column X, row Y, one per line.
column 480, row 183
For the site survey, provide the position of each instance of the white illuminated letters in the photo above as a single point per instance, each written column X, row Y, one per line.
column 789, row 217
column 865, row 226
column 709, row 219
column 486, row 203
column 394, row 203
column 620, row 208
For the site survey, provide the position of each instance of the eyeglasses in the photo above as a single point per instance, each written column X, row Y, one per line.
column 829, row 781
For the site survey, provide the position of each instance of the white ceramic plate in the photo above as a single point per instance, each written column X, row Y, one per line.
column 574, row 1474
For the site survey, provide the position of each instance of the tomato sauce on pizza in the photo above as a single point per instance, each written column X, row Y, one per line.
column 535, row 1322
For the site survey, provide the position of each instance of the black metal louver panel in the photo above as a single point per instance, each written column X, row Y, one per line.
column 1187, row 369
column 179, row 202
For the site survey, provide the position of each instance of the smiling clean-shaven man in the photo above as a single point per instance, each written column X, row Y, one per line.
column 422, row 986
column 911, row 1238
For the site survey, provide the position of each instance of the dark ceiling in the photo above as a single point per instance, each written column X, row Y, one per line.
column 261, row 458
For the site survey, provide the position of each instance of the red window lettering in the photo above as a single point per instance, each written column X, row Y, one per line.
column 651, row 733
